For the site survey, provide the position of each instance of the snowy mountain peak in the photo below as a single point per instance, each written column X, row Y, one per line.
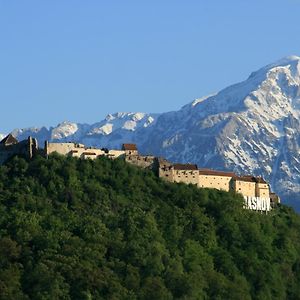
column 289, row 62
column 252, row 127
column 118, row 115
column 64, row 130
column 273, row 91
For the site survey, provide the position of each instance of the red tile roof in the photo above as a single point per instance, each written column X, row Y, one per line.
column 216, row 173
column 249, row 178
column 129, row 147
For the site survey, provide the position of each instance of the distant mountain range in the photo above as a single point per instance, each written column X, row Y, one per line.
column 251, row 127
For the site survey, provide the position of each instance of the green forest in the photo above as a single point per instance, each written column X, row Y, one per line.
column 103, row 229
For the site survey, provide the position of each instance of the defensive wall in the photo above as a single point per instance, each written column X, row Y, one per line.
column 10, row 146
column 256, row 190
column 80, row 151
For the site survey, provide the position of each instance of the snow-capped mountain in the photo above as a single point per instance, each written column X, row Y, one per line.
column 251, row 127
column 111, row 132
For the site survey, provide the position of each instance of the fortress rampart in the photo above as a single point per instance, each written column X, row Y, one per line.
column 256, row 190
column 80, row 151
column 10, row 146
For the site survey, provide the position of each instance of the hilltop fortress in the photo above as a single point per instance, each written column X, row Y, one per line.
column 256, row 190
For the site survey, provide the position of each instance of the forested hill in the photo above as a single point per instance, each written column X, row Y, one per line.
column 81, row 229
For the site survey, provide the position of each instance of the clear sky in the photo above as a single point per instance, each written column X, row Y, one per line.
column 80, row 60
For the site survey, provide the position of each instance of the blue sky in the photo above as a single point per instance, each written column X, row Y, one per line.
column 80, row 60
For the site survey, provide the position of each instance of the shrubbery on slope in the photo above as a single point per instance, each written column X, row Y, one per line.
column 81, row 229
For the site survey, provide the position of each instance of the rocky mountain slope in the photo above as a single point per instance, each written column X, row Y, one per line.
column 251, row 127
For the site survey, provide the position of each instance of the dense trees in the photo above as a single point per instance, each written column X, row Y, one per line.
column 81, row 229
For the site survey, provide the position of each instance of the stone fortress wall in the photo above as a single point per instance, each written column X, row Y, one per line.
column 215, row 179
column 255, row 190
column 10, row 146
column 80, row 151
column 249, row 186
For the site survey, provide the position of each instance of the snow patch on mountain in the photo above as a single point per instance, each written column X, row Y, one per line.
column 105, row 129
column 148, row 122
column 252, row 127
column 129, row 125
column 63, row 130
column 127, row 121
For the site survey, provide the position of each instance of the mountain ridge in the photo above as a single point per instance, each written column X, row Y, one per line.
column 249, row 127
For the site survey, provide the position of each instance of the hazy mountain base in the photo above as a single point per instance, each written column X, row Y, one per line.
column 81, row 229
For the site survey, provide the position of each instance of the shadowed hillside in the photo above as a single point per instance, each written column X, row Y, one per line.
column 82, row 229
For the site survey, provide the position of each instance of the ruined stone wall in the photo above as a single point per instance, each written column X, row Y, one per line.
column 80, row 151
column 87, row 153
column 141, row 161
column 116, row 153
column 131, row 152
column 164, row 169
column 27, row 148
column 61, row 148
column 166, row 173
column 32, row 146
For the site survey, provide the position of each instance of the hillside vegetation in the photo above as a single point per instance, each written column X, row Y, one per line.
column 81, row 229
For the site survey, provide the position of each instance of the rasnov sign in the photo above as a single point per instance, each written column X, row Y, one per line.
column 257, row 203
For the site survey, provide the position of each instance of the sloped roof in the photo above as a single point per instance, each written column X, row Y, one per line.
column 185, row 167
column 245, row 178
column 216, row 173
column 9, row 140
column 249, row 178
column 129, row 147
column 260, row 180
